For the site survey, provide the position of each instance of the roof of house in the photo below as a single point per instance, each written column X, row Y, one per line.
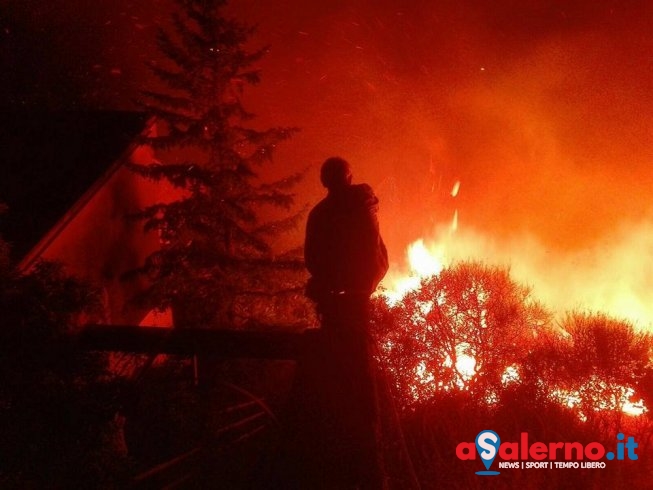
column 48, row 160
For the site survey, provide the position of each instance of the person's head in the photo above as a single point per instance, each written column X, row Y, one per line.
column 335, row 173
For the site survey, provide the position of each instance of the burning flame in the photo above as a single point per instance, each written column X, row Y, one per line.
column 428, row 260
column 456, row 188
column 423, row 262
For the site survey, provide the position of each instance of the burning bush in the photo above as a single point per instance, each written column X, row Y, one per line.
column 592, row 363
column 468, row 348
column 468, row 328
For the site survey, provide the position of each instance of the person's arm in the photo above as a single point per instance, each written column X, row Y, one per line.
column 310, row 245
column 375, row 250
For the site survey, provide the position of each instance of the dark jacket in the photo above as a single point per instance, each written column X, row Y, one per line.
column 344, row 250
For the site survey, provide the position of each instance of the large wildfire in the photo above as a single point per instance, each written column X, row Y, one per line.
column 542, row 109
column 512, row 134
column 457, row 316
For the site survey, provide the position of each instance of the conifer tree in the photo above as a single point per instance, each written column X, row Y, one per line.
column 215, row 258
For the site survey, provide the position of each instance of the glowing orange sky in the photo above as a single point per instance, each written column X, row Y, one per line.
column 542, row 112
column 542, row 109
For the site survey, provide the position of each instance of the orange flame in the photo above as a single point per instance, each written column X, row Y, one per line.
column 422, row 262
column 426, row 260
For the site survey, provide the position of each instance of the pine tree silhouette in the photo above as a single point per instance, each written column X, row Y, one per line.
column 215, row 261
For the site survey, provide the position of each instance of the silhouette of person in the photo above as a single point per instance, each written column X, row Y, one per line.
column 343, row 251
column 346, row 256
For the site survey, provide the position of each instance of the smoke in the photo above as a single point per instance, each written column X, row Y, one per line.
column 541, row 109
column 611, row 276
column 542, row 113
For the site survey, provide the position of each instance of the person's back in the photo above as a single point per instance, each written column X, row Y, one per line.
column 343, row 250
column 346, row 257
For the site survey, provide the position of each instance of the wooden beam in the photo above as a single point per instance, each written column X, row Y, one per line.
column 226, row 344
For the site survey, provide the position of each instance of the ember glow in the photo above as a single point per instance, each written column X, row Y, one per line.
column 619, row 399
column 426, row 260
column 612, row 277
column 422, row 262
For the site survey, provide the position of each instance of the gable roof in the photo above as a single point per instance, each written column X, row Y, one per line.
column 48, row 160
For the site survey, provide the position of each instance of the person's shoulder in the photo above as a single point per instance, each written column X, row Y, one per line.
column 364, row 189
column 364, row 194
column 318, row 208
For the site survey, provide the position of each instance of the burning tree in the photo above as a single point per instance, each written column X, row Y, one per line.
column 215, row 258
column 592, row 364
column 466, row 347
column 468, row 328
